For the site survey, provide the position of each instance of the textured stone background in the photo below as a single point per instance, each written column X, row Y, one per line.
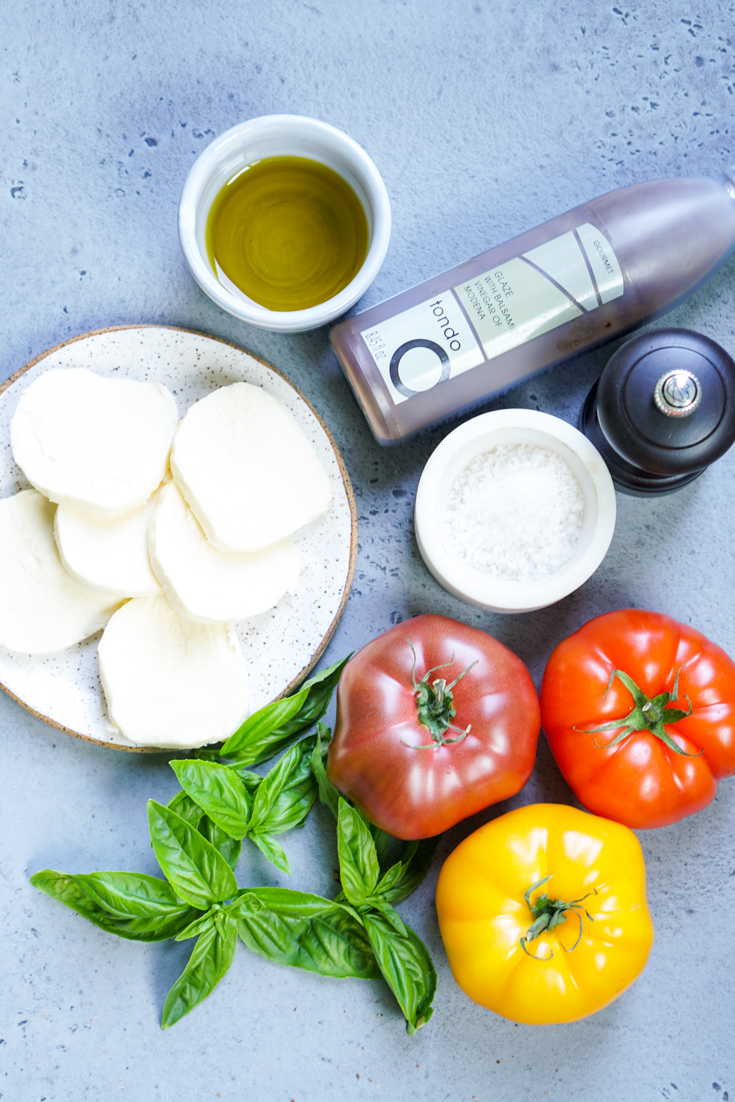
column 485, row 120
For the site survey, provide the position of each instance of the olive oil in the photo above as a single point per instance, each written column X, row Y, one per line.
column 288, row 232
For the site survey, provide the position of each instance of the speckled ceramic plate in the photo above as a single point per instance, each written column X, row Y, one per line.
column 281, row 645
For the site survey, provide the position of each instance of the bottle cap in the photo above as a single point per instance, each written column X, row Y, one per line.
column 662, row 410
column 677, row 393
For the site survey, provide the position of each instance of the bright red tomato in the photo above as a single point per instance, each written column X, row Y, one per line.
column 639, row 711
column 435, row 721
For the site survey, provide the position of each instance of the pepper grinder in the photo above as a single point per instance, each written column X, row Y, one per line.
column 662, row 410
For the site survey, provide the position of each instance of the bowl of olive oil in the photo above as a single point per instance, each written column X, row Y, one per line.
column 284, row 222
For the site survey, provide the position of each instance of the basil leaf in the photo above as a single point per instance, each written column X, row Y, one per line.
column 320, row 688
column 406, row 968
column 221, row 840
column 207, row 753
column 294, row 802
column 286, row 794
column 198, row 926
column 392, row 916
column 267, row 732
column 130, row 894
column 211, row 957
column 196, row 870
column 358, row 861
column 326, row 680
column 304, row 931
column 283, row 901
column 261, row 735
column 412, row 870
column 184, row 806
column 271, row 849
column 297, row 796
column 387, row 881
column 382, row 841
column 158, row 927
column 272, row 785
column 249, row 779
column 219, row 791
column 328, row 794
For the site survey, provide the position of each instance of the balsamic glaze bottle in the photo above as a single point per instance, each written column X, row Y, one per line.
column 589, row 275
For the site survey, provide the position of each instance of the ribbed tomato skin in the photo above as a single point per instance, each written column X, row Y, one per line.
column 379, row 756
column 483, row 914
column 640, row 782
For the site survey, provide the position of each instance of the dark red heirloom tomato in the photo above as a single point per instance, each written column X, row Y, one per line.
column 639, row 711
column 435, row 721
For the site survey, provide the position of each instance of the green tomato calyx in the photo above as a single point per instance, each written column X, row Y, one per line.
column 550, row 913
column 646, row 715
column 435, row 705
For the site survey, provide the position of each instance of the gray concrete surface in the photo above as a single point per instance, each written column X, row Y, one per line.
column 485, row 120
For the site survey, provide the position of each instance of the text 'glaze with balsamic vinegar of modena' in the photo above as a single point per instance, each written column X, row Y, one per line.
column 587, row 276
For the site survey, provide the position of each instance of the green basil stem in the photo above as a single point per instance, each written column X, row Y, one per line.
column 435, row 705
column 647, row 715
column 550, row 913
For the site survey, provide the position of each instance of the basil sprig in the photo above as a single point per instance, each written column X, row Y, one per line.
column 400, row 955
column 197, row 841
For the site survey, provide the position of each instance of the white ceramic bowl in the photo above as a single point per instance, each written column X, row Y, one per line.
column 281, row 136
column 453, row 455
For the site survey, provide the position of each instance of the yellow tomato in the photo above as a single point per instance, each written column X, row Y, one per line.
column 585, row 873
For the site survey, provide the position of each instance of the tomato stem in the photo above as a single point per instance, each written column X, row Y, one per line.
column 550, row 913
column 647, row 715
column 435, row 705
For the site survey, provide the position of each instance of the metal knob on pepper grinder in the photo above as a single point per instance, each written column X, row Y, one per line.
column 662, row 411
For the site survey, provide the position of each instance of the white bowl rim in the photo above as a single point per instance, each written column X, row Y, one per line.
column 481, row 434
column 284, row 320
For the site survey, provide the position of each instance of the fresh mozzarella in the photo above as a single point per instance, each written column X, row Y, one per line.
column 93, row 443
column 109, row 554
column 246, row 469
column 214, row 586
column 42, row 608
column 168, row 681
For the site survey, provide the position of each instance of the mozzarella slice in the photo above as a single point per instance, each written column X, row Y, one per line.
column 170, row 682
column 93, row 443
column 109, row 554
column 214, row 586
column 246, row 469
column 42, row 608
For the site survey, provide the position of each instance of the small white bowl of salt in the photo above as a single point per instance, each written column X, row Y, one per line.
column 515, row 509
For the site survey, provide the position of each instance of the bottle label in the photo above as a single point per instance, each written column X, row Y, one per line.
column 493, row 312
column 423, row 346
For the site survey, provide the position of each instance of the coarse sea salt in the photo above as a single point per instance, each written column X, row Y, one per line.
column 515, row 513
